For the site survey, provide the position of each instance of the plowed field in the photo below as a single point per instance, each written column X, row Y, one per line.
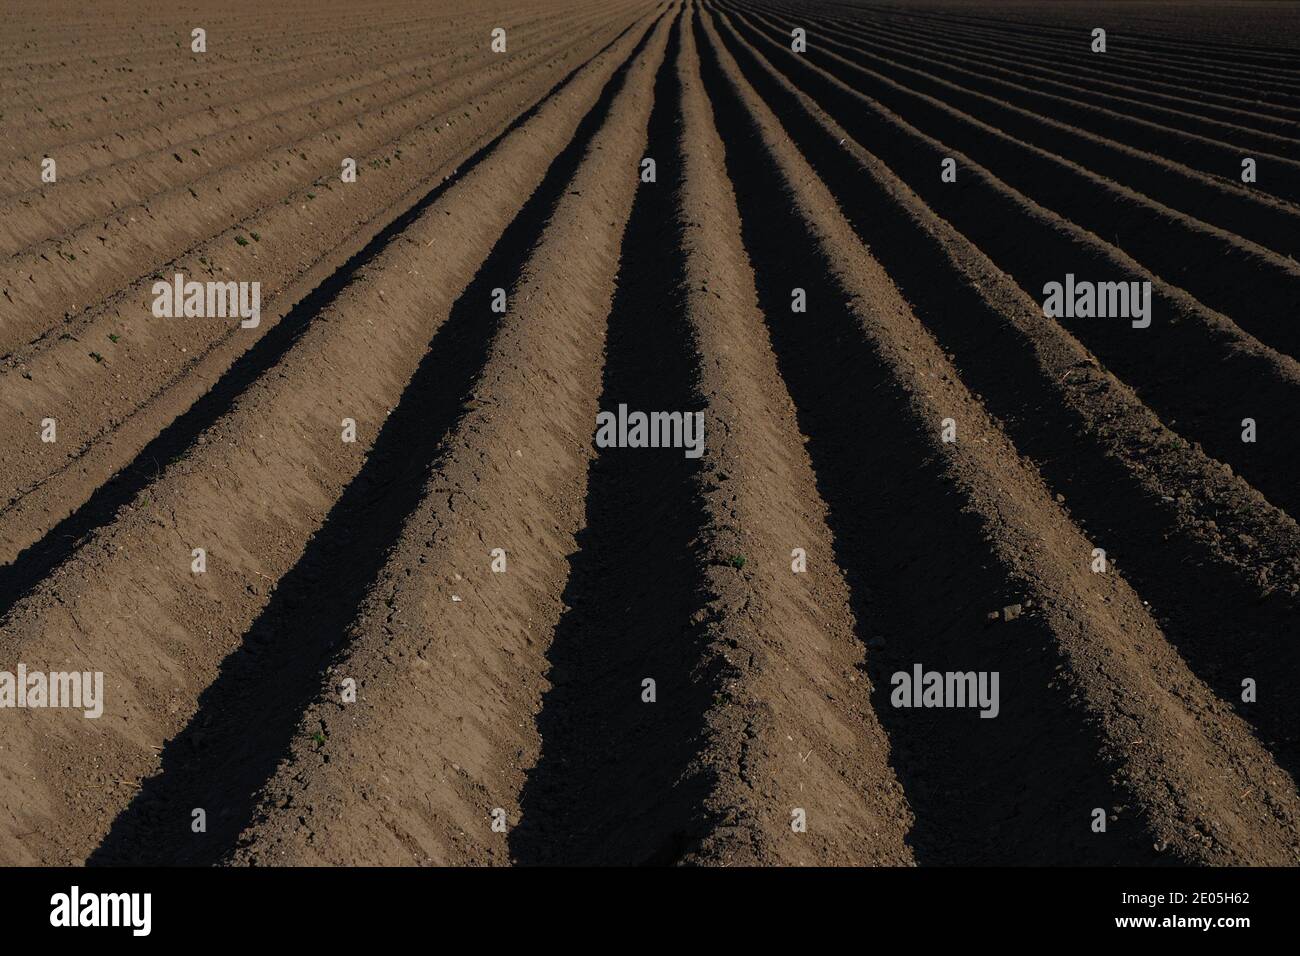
column 365, row 583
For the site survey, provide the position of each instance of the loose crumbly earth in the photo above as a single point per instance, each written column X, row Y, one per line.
column 472, row 635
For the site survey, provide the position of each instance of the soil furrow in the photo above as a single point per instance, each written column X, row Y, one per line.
column 1210, row 263
column 1237, row 126
column 50, row 481
column 227, row 64
column 94, row 184
column 1141, row 52
column 256, row 486
column 1253, row 212
column 705, row 433
column 1156, row 503
column 605, row 787
column 126, row 163
column 1077, row 672
column 56, row 278
column 791, row 729
column 445, row 648
column 1175, row 365
column 126, row 133
column 271, row 679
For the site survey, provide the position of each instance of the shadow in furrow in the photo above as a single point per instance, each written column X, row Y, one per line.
column 1015, row 789
column 1179, row 366
column 1217, row 621
column 1173, row 247
column 247, row 717
column 607, row 788
column 61, row 541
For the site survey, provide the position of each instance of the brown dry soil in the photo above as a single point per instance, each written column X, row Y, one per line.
column 432, row 644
